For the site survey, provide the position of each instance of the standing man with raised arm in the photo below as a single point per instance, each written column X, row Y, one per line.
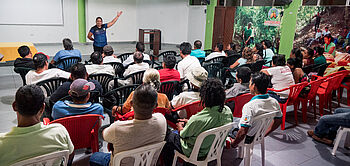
column 99, row 32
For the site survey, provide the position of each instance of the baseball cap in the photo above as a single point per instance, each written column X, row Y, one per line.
column 107, row 48
column 197, row 76
column 81, row 87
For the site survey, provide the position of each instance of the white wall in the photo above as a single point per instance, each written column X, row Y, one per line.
column 196, row 24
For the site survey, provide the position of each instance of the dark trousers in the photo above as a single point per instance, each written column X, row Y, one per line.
column 172, row 143
column 99, row 49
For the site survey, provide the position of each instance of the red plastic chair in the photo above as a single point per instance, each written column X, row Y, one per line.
column 191, row 108
column 324, row 93
column 345, row 85
column 292, row 98
column 82, row 129
column 240, row 101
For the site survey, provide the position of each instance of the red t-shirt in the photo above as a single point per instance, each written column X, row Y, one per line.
column 169, row 75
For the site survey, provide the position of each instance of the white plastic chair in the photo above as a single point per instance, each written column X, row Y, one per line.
column 143, row 156
column 46, row 159
column 245, row 151
column 216, row 148
column 341, row 131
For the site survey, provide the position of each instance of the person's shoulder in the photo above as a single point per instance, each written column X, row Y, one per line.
column 158, row 116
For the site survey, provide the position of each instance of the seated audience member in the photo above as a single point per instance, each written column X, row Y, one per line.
column 78, row 71
column 188, row 62
column 168, row 73
column 218, row 52
column 108, row 55
column 298, row 74
column 319, row 57
column 242, row 85
column 138, row 66
column 68, row 52
column 42, row 71
column 197, row 52
column 97, row 66
column 260, row 104
column 267, row 52
column 298, row 56
column 329, row 46
column 325, row 31
column 282, row 77
column 308, row 55
column 247, row 57
column 145, row 129
column 26, row 60
column 80, row 92
column 140, row 47
column 231, row 49
column 196, row 78
column 151, row 77
column 215, row 114
column 328, row 125
column 258, row 52
column 31, row 138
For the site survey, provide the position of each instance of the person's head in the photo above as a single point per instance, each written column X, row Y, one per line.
column 291, row 63
column 197, row 44
column 108, row 50
column 258, row 49
column 169, row 61
column 96, row 58
column 296, row 53
column 197, row 76
column 138, row 57
column 278, row 60
column 218, row 47
column 151, row 77
column 144, row 101
column 231, row 46
column 80, row 90
column 326, row 28
column 140, row 47
column 318, row 30
column 40, row 61
column 259, row 83
column 328, row 38
column 319, row 51
column 310, row 53
column 250, row 25
column 29, row 102
column 78, row 71
column 266, row 44
column 243, row 74
column 212, row 93
column 67, row 44
column 247, row 53
column 24, row 51
column 185, row 49
column 345, row 29
column 99, row 21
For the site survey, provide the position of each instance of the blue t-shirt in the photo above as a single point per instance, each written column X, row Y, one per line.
column 63, row 54
column 100, row 38
column 68, row 108
column 198, row 53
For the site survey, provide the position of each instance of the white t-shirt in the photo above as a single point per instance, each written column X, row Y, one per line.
column 130, row 59
column 135, row 68
column 100, row 69
column 282, row 77
column 187, row 64
column 33, row 77
column 214, row 55
column 110, row 59
column 132, row 134
column 184, row 98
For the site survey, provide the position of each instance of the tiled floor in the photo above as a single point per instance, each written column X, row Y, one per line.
column 289, row 148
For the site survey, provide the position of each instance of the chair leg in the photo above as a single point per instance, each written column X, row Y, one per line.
column 348, row 96
column 218, row 162
column 175, row 159
column 337, row 140
column 247, row 156
column 296, row 105
column 304, row 109
column 340, row 95
column 321, row 103
column 283, row 125
column 263, row 152
column 241, row 152
column 314, row 103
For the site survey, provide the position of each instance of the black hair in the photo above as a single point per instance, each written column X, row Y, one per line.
column 140, row 46
column 260, row 49
column 96, row 57
column 298, row 57
column 169, row 61
column 79, row 98
column 145, row 97
column 279, row 60
column 291, row 61
column 233, row 46
column 39, row 60
column 220, row 46
column 185, row 48
column 99, row 18
column 329, row 36
column 78, row 70
column 108, row 53
column 23, row 51
column 319, row 50
column 261, row 82
column 197, row 44
column 29, row 100
column 267, row 43
column 311, row 52
column 138, row 57
column 325, row 27
column 67, row 44
column 212, row 93
column 244, row 74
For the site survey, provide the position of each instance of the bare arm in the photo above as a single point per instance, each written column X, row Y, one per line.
column 265, row 71
column 234, row 65
column 242, row 132
column 276, row 123
column 90, row 36
column 114, row 20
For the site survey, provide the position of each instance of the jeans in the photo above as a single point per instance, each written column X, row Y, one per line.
column 100, row 159
column 328, row 125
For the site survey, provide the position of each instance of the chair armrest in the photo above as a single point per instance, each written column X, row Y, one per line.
column 274, row 90
column 46, row 121
column 315, row 77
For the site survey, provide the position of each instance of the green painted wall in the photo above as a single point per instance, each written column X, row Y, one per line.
column 82, row 21
column 288, row 27
column 209, row 24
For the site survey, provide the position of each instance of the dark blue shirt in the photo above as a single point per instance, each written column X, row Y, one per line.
column 100, row 37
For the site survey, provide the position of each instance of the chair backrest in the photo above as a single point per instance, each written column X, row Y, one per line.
column 191, row 108
column 216, row 59
column 321, row 69
column 264, row 122
column 165, row 53
column 136, row 77
column 229, row 60
column 22, row 71
column 214, row 69
column 342, row 74
column 207, row 52
column 103, row 79
column 82, row 129
column 240, row 101
column 121, row 94
column 201, row 60
column 295, row 90
column 50, row 85
column 314, row 87
column 257, row 66
column 46, row 159
column 118, row 67
column 169, row 88
column 124, row 56
column 66, row 63
column 143, row 156
column 217, row 146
